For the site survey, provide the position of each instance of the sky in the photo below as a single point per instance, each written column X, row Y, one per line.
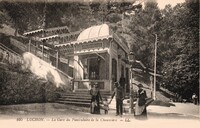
column 162, row 3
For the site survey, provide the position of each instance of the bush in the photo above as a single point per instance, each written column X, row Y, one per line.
column 18, row 86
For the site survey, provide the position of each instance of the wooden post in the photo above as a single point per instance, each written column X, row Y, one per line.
column 110, row 66
column 151, row 86
column 35, row 48
column 154, row 96
column 67, row 65
column 42, row 50
column 131, row 93
column 29, row 45
column 56, row 59
column 123, row 22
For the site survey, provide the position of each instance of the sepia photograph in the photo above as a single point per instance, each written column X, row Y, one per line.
column 99, row 63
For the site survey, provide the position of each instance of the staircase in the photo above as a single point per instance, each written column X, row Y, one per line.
column 9, row 55
column 80, row 97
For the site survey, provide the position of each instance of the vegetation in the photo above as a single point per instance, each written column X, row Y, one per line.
column 21, row 86
column 177, row 29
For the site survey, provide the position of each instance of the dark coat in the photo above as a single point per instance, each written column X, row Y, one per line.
column 142, row 97
column 122, row 82
column 118, row 91
column 95, row 97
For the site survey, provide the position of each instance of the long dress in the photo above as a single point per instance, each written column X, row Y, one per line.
column 140, row 108
column 95, row 104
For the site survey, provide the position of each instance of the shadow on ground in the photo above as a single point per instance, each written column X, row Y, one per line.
column 171, row 116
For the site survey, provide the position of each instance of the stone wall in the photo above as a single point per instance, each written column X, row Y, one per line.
column 45, row 70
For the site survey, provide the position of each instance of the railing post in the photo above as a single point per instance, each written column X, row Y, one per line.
column 151, row 86
column 131, row 59
column 42, row 50
column 131, row 93
column 36, row 48
column 29, row 45
column 57, row 59
column 154, row 94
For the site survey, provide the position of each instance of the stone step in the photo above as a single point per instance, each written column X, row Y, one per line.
column 82, row 97
column 83, row 94
column 83, row 104
column 88, row 92
column 77, row 97
column 75, row 100
column 112, row 106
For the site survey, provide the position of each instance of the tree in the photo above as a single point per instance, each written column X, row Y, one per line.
column 180, row 48
column 141, row 31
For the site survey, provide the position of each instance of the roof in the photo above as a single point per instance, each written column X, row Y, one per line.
column 94, row 32
column 46, row 30
column 97, row 33
column 33, row 32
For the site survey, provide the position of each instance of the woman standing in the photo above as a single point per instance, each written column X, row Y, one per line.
column 95, row 97
column 140, row 108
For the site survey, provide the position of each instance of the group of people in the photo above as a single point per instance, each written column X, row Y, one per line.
column 140, row 107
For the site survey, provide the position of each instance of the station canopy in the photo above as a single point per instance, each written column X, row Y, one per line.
column 94, row 33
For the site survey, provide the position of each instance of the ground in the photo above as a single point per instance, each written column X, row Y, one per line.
column 179, row 111
column 53, row 115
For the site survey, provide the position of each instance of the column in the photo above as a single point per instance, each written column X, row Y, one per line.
column 131, row 93
column 110, row 66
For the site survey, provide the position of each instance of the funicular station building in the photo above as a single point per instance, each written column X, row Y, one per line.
column 96, row 55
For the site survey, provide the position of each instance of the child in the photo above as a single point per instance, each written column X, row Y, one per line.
column 105, row 105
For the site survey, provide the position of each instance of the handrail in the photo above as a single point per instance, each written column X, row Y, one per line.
column 63, row 73
column 89, row 80
column 10, row 55
column 38, row 49
column 8, row 49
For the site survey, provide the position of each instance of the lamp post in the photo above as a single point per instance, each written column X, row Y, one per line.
column 155, row 56
column 151, row 86
column 131, row 60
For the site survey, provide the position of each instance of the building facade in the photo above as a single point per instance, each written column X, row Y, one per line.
column 97, row 56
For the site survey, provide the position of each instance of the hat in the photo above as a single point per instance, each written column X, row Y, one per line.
column 116, row 83
column 140, row 85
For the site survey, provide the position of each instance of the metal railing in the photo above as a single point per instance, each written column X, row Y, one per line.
column 10, row 56
column 45, row 55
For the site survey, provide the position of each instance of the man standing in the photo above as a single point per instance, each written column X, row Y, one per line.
column 119, row 94
column 122, row 82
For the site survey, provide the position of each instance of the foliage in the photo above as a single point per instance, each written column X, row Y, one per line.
column 178, row 41
column 21, row 86
column 177, row 29
column 180, row 48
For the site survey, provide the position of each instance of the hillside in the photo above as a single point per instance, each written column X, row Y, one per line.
column 21, row 86
column 35, row 64
column 174, row 29
column 7, row 30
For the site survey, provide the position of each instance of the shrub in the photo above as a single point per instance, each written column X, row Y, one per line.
column 18, row 86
